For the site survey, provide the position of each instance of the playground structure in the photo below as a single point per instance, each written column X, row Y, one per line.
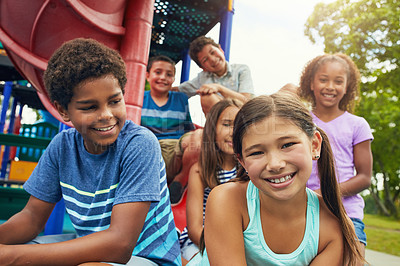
column 136, row 28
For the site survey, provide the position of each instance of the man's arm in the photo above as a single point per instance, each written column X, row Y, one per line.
column 114, row 244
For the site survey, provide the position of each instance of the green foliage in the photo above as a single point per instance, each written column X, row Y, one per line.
column 370, row 206
column 368, row 31
column 147, row 86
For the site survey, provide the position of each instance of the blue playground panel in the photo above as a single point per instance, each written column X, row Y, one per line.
column 68, row 228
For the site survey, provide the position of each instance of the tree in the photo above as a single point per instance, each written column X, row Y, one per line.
column 368, row 31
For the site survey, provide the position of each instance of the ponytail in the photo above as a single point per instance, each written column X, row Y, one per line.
column 332, row 198
column 291, row 108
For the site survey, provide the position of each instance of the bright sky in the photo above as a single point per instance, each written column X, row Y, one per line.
column 268, row 36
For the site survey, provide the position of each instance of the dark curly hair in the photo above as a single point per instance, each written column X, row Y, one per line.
column 351, row 97
column 78, row 61
column 197, row 45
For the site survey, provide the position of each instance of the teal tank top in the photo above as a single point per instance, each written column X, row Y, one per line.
column 257, row 250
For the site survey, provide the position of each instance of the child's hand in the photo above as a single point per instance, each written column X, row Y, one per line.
column 208, row 89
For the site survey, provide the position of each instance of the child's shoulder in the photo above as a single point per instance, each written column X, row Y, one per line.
column 229, row 200
column 354, row 120
column 233, row 192
column 133, row 131
column 351, row 116
column 66, row 136
column 237, row 67
column 329, row 223
column 131, row 127
column 330, row 230
column 178, row 94
column 345, row 118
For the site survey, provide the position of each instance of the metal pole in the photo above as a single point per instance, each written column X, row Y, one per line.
column 185, row 66
column 225, row 32
column 3, row 116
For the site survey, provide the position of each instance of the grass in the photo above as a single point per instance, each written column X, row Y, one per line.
column 383, row 234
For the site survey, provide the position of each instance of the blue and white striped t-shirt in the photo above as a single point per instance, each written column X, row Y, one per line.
column 223, row 177
column 169, row 121
column 131, row 170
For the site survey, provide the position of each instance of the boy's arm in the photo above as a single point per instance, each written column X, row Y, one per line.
column 189, row 87
column 27, row 224
column 363, row 164
column 224, row 91
column 114, row 244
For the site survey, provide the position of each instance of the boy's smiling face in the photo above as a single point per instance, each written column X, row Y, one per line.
column 97, row 111
column 212, row 59
column 161, row 76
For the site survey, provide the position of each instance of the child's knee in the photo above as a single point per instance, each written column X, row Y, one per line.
column 191, row 143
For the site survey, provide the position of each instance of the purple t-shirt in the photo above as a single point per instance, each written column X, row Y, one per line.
column 344, row 133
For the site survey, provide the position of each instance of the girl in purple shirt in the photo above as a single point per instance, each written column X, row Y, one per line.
column 331, row 84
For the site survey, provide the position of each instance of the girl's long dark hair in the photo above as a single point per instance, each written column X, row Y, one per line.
column 210, row 157
column 289, row 107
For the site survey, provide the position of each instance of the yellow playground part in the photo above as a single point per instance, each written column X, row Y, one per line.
column 21, row 170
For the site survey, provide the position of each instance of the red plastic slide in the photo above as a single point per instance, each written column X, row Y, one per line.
column 32, row 30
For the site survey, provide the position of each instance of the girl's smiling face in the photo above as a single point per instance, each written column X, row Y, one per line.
column 278, row 155
column 329, row 84
column 224, row 130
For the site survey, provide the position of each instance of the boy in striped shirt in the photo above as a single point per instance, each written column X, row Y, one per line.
column 166, row 114
column 108, row 170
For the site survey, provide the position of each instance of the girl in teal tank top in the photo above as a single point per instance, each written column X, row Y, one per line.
column 269, row 217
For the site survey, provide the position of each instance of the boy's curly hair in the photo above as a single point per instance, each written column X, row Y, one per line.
column 197, row 45
column 78, row 61
column 351, row 97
